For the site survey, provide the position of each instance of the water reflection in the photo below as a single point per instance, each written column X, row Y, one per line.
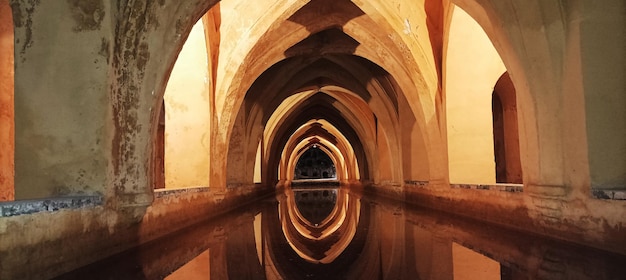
column 358, row 238
column 315, row 205
column 320, row 241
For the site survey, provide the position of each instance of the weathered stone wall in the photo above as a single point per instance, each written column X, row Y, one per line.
column 61, row 78
column 602, row 38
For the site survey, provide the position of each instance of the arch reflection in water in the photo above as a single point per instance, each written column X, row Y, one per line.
column 316, row 205
column 362, row 238
column 323, row 241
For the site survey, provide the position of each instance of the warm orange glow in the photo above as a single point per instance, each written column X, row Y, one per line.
column 7, row 127
column 508, row 111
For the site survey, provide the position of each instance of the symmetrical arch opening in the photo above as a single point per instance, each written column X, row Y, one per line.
column 330, row 70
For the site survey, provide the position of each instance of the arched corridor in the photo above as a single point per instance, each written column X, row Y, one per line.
column 132, row 120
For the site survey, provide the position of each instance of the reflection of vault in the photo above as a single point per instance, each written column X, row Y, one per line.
column 324, row 242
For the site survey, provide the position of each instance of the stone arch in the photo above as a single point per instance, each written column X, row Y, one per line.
column 545, row 137
column 142, row 57
column 349, row 138
column 365, row 87
column 7, row 126
column 324, row 134
column 379, row 43
column 509, row 42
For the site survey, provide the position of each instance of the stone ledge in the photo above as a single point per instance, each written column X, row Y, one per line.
column 24, row 207
column 321, row 182
column 609, row 194
column 420, row 184
column 158, row 193
column 514, row 188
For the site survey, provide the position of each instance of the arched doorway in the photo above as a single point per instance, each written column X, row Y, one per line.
column 315, row 164
column 505, row 132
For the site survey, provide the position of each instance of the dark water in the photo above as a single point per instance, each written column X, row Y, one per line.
column 330, row 233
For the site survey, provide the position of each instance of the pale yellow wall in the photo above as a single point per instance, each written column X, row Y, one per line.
column 472, row 66
column 187, row 116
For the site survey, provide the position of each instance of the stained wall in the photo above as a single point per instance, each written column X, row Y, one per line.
column 62, row 142
column 603, row 60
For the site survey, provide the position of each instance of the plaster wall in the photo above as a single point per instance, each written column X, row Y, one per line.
column 603, row 61
column 472, row 68
column 188, row 112
column 7, row 128
column 61, row 78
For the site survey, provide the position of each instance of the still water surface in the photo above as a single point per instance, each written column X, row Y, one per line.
column 317, row 232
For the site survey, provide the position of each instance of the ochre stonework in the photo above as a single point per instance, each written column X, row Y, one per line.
column 212, row 103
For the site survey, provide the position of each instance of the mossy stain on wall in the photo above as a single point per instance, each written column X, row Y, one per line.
column 88, row 14
column 23, row 18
